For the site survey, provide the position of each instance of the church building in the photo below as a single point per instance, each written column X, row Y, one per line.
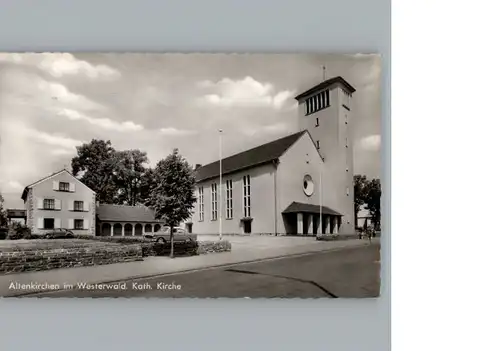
column 299, row 184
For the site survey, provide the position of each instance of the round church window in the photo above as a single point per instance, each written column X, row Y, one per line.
column 308, row 185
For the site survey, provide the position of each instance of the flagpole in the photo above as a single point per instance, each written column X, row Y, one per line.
column 220, row 184
column 321, row 197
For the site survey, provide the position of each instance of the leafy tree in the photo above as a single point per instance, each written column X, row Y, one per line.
column 360, row 191
column 96, row 162
column 173, row 193
column 129, row 177
column 3, row 213
column 147, row 186
column 372, row 200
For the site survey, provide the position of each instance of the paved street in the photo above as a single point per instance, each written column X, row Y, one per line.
column 352, row 272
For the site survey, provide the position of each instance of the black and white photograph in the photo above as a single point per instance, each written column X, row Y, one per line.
column 190, row 175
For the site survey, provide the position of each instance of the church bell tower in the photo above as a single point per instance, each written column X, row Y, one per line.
column 325, row 112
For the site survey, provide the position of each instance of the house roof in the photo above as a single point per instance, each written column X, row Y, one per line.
column 325, row 84
column 121, row 213
column 299, row 207
column 25, row 191
column 259, row 155
column 15, row 213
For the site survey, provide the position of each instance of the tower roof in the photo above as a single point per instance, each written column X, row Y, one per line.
column 325, row 84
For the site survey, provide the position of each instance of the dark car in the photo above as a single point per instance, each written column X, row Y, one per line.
column 59, row 234
column 163, row 235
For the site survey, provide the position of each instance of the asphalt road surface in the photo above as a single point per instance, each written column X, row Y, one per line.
column 351, row 272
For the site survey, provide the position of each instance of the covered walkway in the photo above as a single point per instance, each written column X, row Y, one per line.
column 304, row 219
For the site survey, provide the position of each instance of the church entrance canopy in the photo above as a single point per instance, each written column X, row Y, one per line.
column 304, row 219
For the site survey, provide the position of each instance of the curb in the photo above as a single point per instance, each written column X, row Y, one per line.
column 193, row 270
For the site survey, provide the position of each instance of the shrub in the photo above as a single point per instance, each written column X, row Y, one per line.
column 213, row 246
column 20, row 231
column 3, row 233
column 113, row 239
column 187, row 248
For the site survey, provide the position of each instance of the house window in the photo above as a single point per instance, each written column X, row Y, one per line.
column 317, row 144
column 78, row 206
column 317, row 122
column 49, row 204
column 63, row 186
column 48, row 223
column 78, row 224
column 201, row 205
column 246, row 196
column 229, row 199
column 214, row 202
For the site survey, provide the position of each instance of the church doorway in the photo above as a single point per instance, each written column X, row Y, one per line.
column 315, row 224
column 290, row 222
column 247, row 227
column 305, row 223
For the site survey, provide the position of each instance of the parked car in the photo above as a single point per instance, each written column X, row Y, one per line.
column 163, row 235
column 59, row 234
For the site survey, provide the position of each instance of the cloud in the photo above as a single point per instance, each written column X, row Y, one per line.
column 29, row 134
column 176, row 132
column 61, row 64
column 371, row 143
column 11, row 186
column 105, row 123
column 276, row 128
column 246, row 92
column 62, row 152
column 21, row 88
column 59, row 93
column 271, row 129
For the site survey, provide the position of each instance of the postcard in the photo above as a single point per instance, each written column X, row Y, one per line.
column 190, row 175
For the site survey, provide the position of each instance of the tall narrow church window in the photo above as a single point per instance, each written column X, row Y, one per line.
column 327, row 93
column 214, row 202
column 308, row 106
column 229, row 199
column 246, row 196
column 201, row 206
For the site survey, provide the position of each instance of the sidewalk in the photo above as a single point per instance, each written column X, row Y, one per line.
column 242, row 252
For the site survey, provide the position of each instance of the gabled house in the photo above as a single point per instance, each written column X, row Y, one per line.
column 60, row 201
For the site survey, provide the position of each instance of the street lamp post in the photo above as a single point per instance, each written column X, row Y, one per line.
column 220, row 184
column 321, row 197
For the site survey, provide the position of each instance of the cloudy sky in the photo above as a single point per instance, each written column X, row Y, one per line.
column 50, row 103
